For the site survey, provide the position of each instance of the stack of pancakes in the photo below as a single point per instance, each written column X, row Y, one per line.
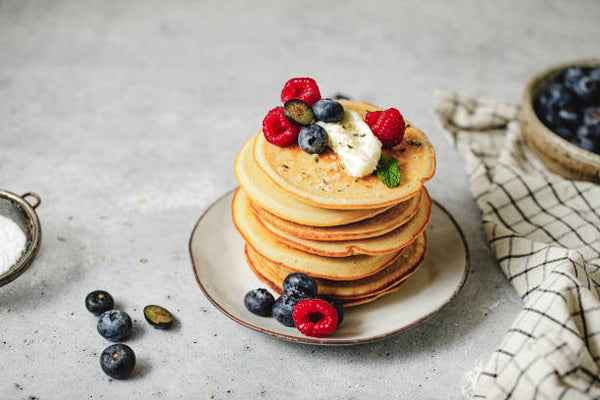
column 358, row 238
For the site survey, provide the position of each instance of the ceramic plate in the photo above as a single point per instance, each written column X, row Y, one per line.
column 218, row 261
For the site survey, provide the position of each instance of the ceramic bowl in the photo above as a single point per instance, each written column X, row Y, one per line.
column 559, row 155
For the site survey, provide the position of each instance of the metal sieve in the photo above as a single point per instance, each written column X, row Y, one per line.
column 21, row 212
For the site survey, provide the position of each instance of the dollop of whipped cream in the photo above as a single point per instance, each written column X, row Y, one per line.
column 354, row 142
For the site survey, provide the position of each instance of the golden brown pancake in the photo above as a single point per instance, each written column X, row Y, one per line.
column 349, row 293
column 334, row 268
column 266, row 194
column 323, row 182
column 388, row 243
column 378, row 225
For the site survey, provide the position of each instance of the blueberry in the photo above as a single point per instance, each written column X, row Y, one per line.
column 283, row 309
column 560, row 96
column 300, row 286
column 313, row 139
column 99, row 301
column 114, row 325
column 298, row 112
column 588, row 137
column 591, row 115
column 259, row 302
column 328, row 110
column 572, row 75
column 587, row 89
column 158, row 317
column 117, row 361
column 338, row 307
column 568, row 117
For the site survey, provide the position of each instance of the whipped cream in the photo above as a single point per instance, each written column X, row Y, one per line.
column 353, row 141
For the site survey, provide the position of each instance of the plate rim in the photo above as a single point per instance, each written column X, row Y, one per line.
column 329, row 341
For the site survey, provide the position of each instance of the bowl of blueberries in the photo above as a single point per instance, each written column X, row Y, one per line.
column 560, row 118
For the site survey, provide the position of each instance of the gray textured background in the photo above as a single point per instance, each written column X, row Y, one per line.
column 126, row 116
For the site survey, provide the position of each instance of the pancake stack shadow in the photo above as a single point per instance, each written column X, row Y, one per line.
column 302, row 213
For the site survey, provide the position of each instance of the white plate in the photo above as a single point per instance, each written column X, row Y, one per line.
column 218, row 261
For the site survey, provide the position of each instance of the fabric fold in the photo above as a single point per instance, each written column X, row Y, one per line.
column 545, row 233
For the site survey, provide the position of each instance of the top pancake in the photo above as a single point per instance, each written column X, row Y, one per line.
column 266, row 194
column 323, row 182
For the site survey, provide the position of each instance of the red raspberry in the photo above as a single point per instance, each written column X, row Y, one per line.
column 315, row 317
column 387, row 125
column 278, row 130
column 305, row 89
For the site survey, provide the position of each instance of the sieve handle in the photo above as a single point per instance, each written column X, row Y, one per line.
column 37, row 198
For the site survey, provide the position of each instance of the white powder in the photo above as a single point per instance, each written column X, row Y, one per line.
column 12, row 243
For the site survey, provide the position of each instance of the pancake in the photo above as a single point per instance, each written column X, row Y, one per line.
column 265, row 193
column 378, row 225
column 321, row 181
column 390, row 242
column 334, row 268
column 402, row 268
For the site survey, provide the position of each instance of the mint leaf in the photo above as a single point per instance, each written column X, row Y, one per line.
column 388, row 171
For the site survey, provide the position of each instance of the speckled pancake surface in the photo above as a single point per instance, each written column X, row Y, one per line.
column 388, row 243
column 378, row 225
column 334, row 268
column 323, row 182
column 266, row 194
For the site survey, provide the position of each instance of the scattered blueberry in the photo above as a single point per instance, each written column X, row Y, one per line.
column 114, row 325
column 283, row 309
column 158, row 317
column 313, row 139
column 117, row 361
column 259, row 302
column 298, row 112
column 595, row 74
column 300, row 286
column 328, row 110
column 99, row 301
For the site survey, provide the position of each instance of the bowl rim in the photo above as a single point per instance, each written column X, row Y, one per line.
column 582, row 155
column 33, row 246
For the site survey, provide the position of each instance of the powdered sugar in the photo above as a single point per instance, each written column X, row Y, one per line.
column 12, row 243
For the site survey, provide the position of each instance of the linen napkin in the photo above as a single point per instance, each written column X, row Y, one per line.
column 545, row 233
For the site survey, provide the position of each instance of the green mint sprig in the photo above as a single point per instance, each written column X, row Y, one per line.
column 388, row 171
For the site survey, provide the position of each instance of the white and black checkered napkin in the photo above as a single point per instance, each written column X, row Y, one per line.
column 545, row 233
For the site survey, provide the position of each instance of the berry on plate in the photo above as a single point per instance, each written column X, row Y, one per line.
column 315, row 317
column 114, row 325
column 388, row 126
column 283, row 309
column 305, row 89
column 300, row 286
column 328, row 110
column 117, row 361
column 313, row 139
column 99, row 301
column 259, row 302
column 278, row 130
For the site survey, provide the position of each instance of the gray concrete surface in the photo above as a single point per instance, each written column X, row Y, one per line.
column 126, row 116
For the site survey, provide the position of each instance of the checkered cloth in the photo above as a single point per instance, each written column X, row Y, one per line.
column 545, row 233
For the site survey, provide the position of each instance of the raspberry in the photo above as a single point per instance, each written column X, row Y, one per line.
column 387, row 125
column 315, row 317
column 305, row 89
column 278, row 130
